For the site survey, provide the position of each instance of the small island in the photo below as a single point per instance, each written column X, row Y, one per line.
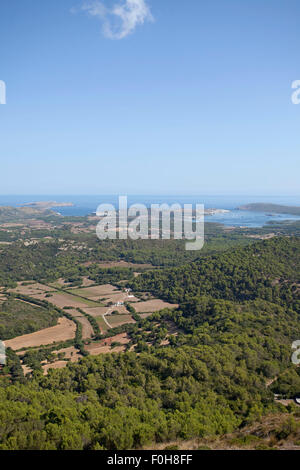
column 47, row 204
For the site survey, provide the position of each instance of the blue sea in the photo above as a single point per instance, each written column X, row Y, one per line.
column 84, row 205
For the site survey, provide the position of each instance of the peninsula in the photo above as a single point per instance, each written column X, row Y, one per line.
column 271, row 208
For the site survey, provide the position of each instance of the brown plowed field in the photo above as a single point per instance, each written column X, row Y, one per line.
column 87, row 329
column 152, row 306
column 61, row 332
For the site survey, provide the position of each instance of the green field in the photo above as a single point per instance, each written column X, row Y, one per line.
column 18, row 318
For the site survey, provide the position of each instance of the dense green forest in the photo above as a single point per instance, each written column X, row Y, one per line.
column 210, row 381
column 238, row 316
column 51, row 259
column 268, row 269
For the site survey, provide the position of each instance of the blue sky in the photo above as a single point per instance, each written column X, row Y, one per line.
column 166, row 96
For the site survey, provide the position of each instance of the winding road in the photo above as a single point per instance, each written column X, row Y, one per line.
column 112, row 308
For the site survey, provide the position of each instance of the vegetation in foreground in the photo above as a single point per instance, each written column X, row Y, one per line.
column 238, row 315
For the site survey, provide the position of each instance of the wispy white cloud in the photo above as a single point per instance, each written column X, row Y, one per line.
column 122, row 18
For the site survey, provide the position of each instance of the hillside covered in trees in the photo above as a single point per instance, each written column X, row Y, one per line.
column 237, row 318
column 268, row 270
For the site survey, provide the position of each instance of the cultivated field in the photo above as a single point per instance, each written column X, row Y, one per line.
column 63, row 331
column 87, row 299
column 63, row 299
column 33, row 289
column 118, row 296
column 58, row 298
column 87, row 329
column 95, row 291
column 103, row 324
column 106, row 292
column 151, row 306
column 95, row 311
column 118, row 320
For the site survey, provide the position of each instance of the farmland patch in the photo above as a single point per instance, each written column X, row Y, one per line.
column 63, row 331
column 151, row 306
